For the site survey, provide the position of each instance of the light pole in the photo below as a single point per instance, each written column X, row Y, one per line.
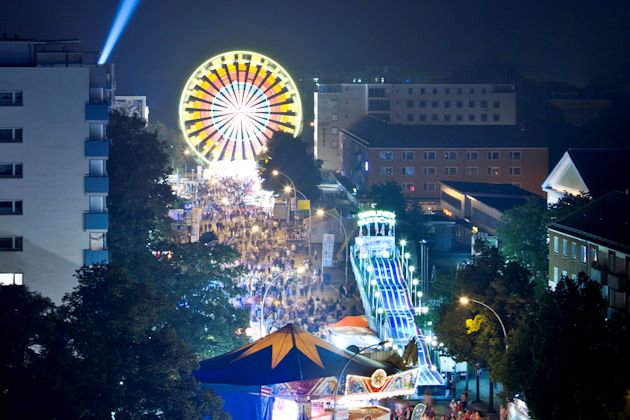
column 320, row 213
column 382, row 343
column 310, row 220
column 262, row 302
column 464, row 301
column 276, row 172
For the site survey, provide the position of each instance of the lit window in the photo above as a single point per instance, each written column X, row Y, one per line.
column 574, row 250
column 386, row 171
column 9, row 279
column 387, row 155
column 565, row 248
column 409, row 170
column 556, row 244
column 494, row 171
column 583, row 254
column 408, row 186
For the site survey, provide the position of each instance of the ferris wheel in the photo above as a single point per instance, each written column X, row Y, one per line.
column 234, row 102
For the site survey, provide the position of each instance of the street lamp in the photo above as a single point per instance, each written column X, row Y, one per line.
column 386, row 343
column 465, row 301
column 276, row 172
column 273, row 280
column 321, row 212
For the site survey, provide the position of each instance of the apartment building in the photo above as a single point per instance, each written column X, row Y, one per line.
column 595, row 240
column 54, row 109
column 418, row 157
column 339, row 106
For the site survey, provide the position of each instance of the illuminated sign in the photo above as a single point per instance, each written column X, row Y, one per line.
column 376, row 216
column 233, row 104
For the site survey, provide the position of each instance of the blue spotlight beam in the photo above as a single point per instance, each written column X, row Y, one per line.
column 123, row 14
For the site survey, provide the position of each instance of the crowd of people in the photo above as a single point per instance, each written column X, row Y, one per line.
column 274, row 252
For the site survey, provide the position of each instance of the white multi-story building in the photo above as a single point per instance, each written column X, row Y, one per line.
column 339, row 106
column 132, row 105
column 54, row 109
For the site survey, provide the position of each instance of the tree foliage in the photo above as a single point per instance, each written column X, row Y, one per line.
column 388, row 196
column 290, row 156
column 568, row 349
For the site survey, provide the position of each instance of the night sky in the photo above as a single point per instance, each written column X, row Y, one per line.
column 573, row 41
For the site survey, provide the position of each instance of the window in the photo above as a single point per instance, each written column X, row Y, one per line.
column 409, row 170
column 10, row 207
column 459, row 104
column 434, row 104
column 435, row 117
column 429, row 155
column 483, row 91
column 471, row 104
column 556, row 244
column 472, row 171
column 450, row 155
column 435, row 91
column 423, row 91
column 11, row 98
column 450, row 171
column 484, row 104
column 97, row 241
column 447, row 91
column 612, row 261
column 376, row 92
column 447, row 117
column 10, row 170
column 594, row 256
column 484, row 117
column 565, row 274
column 386, row 171
column 459, row 91
column 10, row 279
column 408, row 155
column 429, row 171
column 97, row 167
column 11, row 243
column 409, row 117
column 493, row 171
column 387, row 155
column 583, row 254
column 565, row 248
column 422, row 117
column 408, row 186
column 377, row 105
column 422, row 104
column 10, row 135
column 514, row 155
column 471, row 117
column 472, row 155
column 409, row 104
column 97, row 204
column 515, row 171
column 334, row 117
column 429, row 187
column 472, row 91
column 573, row 250
column 334, row 131
column 97, row 131
column 556, row 275
column 410, row 91
column 496, row 104
column 459, row 117
column 494, row 155
column 496, row 117
column 334, row 144
column 447, row 104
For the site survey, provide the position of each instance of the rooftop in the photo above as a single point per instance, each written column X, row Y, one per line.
column 375, row 133
column 498, row 196
column 606, row 220
column 602, row 170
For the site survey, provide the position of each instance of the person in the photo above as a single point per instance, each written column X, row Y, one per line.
column 453, row 406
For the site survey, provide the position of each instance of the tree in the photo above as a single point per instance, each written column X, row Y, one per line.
column 132, row 363
column 523, row 237
column 567, row 205
column 175, row 146
column 139, row 197
column 388, row 196
column 290, row 156
column 561, row 357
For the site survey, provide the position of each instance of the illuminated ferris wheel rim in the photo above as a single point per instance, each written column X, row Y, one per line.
column 235, row 116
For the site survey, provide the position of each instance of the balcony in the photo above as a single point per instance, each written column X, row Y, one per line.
column 96, row 148
column 95, row 221
column 97, row 111
column 94, row 257
column 617, row 282
column 599, row 275
column 97, row 184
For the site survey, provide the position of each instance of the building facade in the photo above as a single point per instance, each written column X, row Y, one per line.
column 339, row 106
column 418, row 157
column 54, row 110
column 595, row 240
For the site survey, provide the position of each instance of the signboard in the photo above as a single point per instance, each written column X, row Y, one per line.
column 328, row 246
column 304, row 204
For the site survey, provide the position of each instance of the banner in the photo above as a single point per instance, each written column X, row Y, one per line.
column 328, row 247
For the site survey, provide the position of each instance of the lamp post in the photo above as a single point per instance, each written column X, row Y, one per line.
column 464, row 301
column 382, row 343
column 262, row 302
column 321, row 212
column 276, row 172
column 310, row 221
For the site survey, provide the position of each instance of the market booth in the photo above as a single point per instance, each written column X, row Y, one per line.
column 289, row 366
